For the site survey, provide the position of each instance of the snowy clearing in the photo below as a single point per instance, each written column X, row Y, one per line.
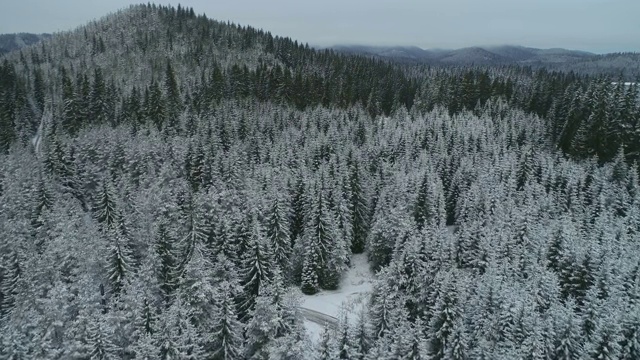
column 355, row 287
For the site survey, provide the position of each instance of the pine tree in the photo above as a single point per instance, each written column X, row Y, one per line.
column 567, row 345
column 100, row 343
column 105, row 209
column 298, row 207
column 155, row 106
column 11, row 273
column 445, row 315
column 606, row 344
column 194, row 239
column 458, row 343
column 174, row 101
column 226, row 331
column 257, row 270
column 360, row 211
column 177, row 338
column 325, row 255
column 361, row 340
column 98, row 108
column 390, row 225
column 43, row 203
column 119, row 263
column 197, row 290
column 277, row 233
column 630, row 342
column 383, row 302
column 423, row 208
column 260, row 328
column 167, row 268
column 310, row 269
column 327, row 348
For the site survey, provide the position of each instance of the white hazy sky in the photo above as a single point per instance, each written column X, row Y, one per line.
column 592, row 25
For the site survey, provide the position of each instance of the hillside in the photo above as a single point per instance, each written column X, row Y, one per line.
column 176, row 187
column 12, row 42
column 626, row 65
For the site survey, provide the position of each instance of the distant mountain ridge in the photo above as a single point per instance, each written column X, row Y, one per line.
column 471, row 55
column 615, row 64
column 11, row 42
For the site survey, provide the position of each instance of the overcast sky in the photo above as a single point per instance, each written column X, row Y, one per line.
column 592, row 25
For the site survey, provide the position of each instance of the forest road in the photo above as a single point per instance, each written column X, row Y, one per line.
column 320, row 318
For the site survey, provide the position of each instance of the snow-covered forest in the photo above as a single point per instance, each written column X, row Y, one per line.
column 193, row 181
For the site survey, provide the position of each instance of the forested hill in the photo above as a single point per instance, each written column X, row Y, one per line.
column 151, row 63
column 171, row 187
column 624, row 64
column 12, row 42
column 132, row 55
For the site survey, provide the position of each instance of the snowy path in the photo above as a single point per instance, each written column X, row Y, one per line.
column 319, row 318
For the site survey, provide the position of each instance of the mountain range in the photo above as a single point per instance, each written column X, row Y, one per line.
column 625, row 64
column 11, row 42
column 507, row 54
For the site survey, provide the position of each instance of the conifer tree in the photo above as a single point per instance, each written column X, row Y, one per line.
column 630, row 342
column 277, row 233
column 226, row 331
column 298, row 207
column 257, row 269
column 360, row 211
column 120, row 263
column 445, row 315
column 105, row 209
column 177, row 338
column 11, row 273
column 100, row 344
column 166, row 272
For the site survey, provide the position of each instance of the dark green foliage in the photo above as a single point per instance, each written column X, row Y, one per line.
column 226, row 332
column 8, row 104
column 119, row 263
column 11, row 272
column 277, row 235
column 359, row 210
column 168, row 262
column 441, row 327
column 298, row 207
column 105, row 208
column 257, row 269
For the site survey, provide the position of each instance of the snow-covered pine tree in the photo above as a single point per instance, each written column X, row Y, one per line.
column 277, row 234
column 226, row 331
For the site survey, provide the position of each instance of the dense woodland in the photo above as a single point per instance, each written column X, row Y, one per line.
column 171, row 186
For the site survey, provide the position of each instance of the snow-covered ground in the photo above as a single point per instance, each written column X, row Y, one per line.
column 355, row 286
column 314, row 330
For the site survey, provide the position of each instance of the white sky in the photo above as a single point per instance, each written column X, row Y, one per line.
column 592, row 25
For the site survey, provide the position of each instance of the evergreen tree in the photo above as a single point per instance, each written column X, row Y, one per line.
column 360, row 211
column 177, row 338
column 120, row 263
column 105, row 208
column 167, row 268
column 441, row 326
column 277, row 233
column 257, row 269
column 100, row 343
column 11, row 272
column 226, row 332
column 630, row 342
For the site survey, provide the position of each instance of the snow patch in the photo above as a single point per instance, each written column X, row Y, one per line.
column 314, row 331
column 355, row 286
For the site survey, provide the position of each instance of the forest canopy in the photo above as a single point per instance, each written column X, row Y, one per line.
column 172, row 186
